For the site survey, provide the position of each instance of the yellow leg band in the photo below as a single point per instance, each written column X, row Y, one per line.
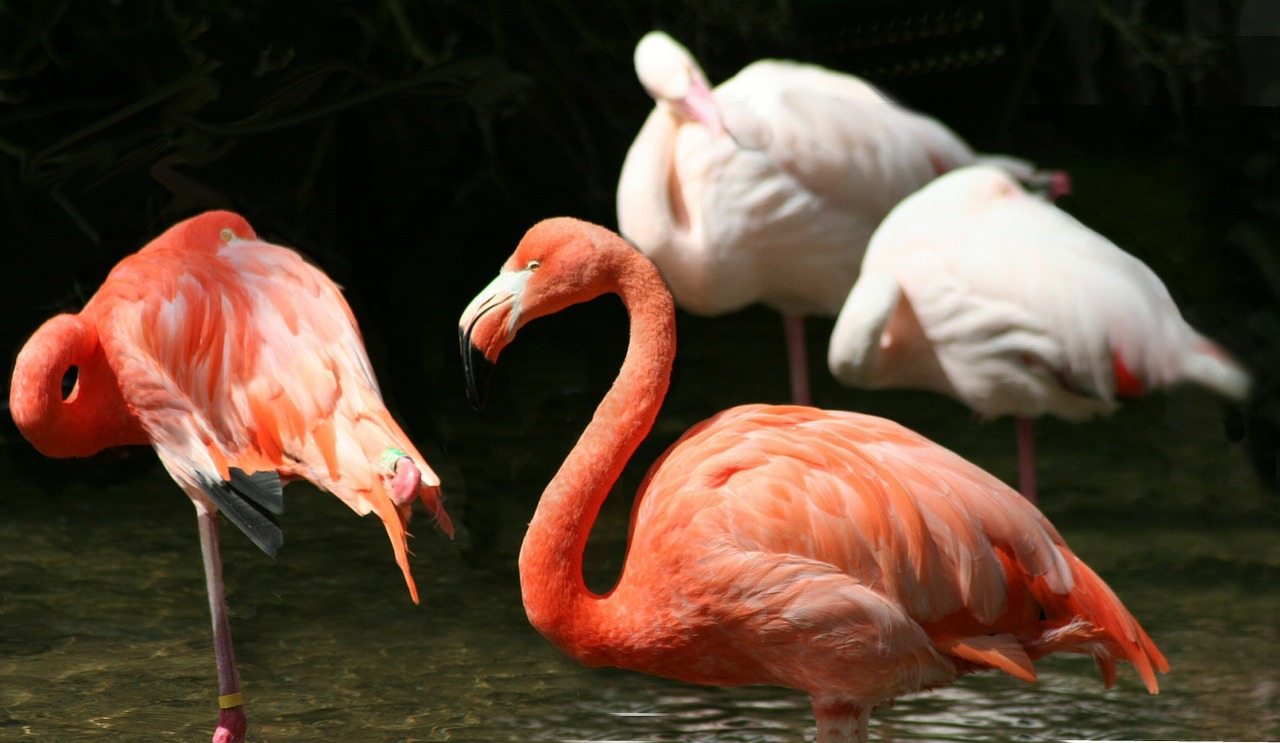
column 227, row 701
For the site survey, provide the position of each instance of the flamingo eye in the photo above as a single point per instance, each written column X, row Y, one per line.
column 533, row 265
column 226, row 235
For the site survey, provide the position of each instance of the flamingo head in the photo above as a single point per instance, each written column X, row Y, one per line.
column 65, row 397
column 558, row 263
column 673, row 78
column 208, row 231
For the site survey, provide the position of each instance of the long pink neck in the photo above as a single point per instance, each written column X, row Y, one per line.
column 94, row 417
column 556, row 597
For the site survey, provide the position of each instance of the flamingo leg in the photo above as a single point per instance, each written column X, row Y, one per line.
column 1026, row 458
column 797, row 359
column 232, row 723
column 840, row 722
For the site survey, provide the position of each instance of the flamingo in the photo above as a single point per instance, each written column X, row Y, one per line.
column 767, row 188
column 838, row 554
column 242, row 365
column 977, row 289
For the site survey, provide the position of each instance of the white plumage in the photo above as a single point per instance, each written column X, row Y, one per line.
column 977, row 289
column 767, row 188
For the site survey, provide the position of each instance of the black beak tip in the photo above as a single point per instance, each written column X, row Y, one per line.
column 477, row 369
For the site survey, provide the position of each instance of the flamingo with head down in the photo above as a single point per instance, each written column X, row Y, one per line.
column 975, row 288
column 834, row 553
column 767, row 188
column 242, row 365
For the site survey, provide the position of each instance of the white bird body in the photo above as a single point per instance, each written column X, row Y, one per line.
column 974, row 288
column 770, row 189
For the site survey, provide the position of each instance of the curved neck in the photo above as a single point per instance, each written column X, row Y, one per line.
column 556, row 597
column 93, row 417
column 650, row 200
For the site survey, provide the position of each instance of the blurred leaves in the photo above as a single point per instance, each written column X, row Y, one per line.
column 115, row 90
column 403, row 145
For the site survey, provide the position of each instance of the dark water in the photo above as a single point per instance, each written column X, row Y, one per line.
column 103, row 619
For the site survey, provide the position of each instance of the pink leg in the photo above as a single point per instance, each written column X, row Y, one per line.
column 232, row 723
column 406, row 482
column 797, row 359
column 840, row 722
column 1026, row 458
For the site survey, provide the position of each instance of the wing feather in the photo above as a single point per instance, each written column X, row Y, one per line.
column 964, row 556
column 249, row 357
column 837, row 134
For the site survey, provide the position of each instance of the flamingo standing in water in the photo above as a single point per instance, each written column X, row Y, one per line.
column 826, row 551
column 767, row 188
column 242, row 365
column 977, row 289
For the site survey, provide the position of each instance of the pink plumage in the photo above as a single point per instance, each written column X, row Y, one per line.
column 834, row 553
column 242, row 365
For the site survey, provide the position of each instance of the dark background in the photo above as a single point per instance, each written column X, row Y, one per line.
column 404, row 147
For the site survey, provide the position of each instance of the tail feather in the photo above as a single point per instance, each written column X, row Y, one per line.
column 431, row 496
column 994, row 651
column 396, row 518
column 1211, row 367
column 395, row 523
column 354, row 458
column 1049, row 183
column 1099, row 624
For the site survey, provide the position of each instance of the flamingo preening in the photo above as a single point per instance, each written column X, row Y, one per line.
column 242, row 365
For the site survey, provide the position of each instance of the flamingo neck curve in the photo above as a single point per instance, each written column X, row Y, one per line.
column 94, row 416
column 591, row 627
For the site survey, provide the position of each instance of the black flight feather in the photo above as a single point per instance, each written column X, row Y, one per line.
column 252, row 503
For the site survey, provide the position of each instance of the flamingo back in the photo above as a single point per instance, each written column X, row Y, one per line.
column 779, row 205
column 1026, row 310
column 853, row 536
column 240, row 354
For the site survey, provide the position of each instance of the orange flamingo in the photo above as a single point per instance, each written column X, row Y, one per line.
column 834, row 553
column 243, row 366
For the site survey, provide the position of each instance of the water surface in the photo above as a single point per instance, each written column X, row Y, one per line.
column 103, row 618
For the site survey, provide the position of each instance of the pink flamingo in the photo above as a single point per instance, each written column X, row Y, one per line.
column 242, row 365
column 830, row 552
column 767, row 188
column 977, row 289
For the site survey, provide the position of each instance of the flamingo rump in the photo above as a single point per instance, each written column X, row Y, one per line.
column 242, row 365
column 977, row 289
column 767, row 188
column 834, row 553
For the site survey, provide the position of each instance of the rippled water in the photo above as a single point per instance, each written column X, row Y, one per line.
column 103, row 619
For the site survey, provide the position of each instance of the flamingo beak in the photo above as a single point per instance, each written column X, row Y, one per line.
column 698, row 104
column 478, row 369
column 487, row 325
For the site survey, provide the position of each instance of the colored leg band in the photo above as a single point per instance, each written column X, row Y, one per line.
column 390, row 457
column 227, row 701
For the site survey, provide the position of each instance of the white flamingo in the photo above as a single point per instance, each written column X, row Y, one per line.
column 767, row 188
column 977, row 289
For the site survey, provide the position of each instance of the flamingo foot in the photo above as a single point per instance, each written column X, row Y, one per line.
column 406, row 482
column 232, row 726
